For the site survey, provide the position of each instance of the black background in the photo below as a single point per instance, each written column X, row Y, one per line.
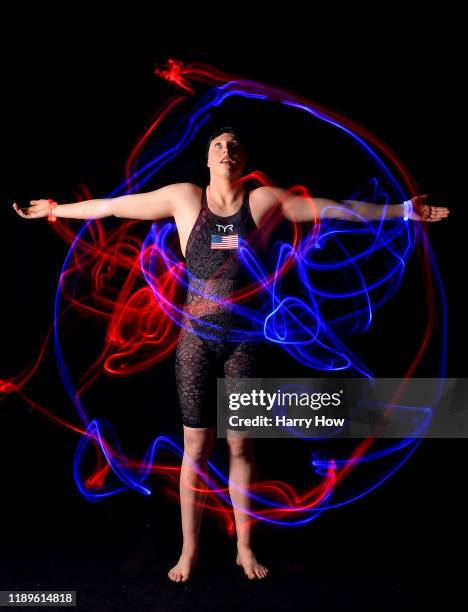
column 77, row 97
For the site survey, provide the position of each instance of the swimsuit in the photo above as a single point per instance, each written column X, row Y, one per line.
column 208, row 345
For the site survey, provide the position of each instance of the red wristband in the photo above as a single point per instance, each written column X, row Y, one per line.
column 52, row 216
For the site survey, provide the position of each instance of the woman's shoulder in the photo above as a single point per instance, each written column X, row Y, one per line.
column 261, row 199
column 183, row 191
column 186, row 187
column 186, row 195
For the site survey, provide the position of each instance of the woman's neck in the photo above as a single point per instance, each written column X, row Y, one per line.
column 224, row 192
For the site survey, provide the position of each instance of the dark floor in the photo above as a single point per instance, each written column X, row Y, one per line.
column 220, row 585
column 304, row 574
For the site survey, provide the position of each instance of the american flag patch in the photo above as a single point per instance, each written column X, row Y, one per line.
column 230, row 241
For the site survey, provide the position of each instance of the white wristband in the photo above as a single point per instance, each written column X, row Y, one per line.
column 407, row 209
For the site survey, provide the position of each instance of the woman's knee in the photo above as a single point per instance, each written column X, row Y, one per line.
column 240, row 447
column 198, row 443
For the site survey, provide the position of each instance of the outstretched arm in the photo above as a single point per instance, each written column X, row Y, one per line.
column 355, row 210
column 157, row 204
column 299, row 208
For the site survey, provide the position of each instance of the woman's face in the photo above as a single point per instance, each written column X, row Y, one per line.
column 226, row 156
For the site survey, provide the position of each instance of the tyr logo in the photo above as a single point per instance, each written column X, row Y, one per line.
column 225, row 227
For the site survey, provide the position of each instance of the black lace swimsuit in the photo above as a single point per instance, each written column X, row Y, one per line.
column 208, row 346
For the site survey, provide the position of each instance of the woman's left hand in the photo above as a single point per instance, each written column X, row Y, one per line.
column 420, row 211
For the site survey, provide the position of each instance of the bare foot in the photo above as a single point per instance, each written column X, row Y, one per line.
column 182, row 570
column 252, row 568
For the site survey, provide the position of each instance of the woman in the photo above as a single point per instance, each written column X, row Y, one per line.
column 209, row 223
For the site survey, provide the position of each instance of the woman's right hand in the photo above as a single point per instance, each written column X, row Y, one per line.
column 37, row 210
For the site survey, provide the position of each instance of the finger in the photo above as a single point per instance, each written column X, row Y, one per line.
column 17, row 209
column 436, row 219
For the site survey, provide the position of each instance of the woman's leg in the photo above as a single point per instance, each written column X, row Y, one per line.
column 241, row 475
column 239, row 365
column 198, row 446
column 193, row 366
